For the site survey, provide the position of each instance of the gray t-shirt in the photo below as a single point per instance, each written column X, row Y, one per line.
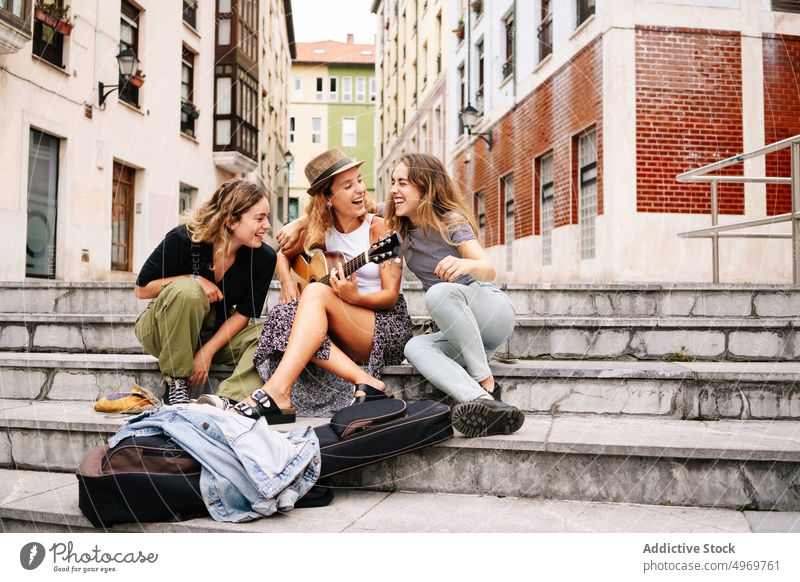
column 422, row 256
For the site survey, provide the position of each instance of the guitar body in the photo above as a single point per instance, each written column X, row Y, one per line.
column 314, row 266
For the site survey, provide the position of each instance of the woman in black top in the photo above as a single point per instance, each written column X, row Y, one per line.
column 208, row 278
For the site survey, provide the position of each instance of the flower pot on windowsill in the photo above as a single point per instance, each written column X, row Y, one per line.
column 190, row 110
column 60, row 25
column 136, row 80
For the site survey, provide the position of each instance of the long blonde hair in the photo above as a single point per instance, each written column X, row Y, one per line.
column 320, row 216
column 439, row 196
column 210, row 222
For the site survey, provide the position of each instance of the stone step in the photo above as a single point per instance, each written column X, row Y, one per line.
column 671, row 339
column 723, row 464
column 713, row 390
column 39, row 501
column 640, row 300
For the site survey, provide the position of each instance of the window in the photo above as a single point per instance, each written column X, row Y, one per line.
column 372, row 89
column 786, row 6
column 548, row 209
column 347, row 89
column 236, row 110
column 292, row 174
column 423, row 65
column 190, row 12
column 48, row 42
column 361, row 89
column 333, row 94
column 15, row 7
column 479, row 92
column 298, row 88
column 294, row 209
column 462, row 81
column 480, row 215
column 508, row 66
column 318, row 93
column 186, row 198
column 507, row 185
column 423, row 138
column 291, row 129
column 188, row 110
column 585, row 10
column 316, row 130
column 40, row 248
column 349, row 132
column 129, row 38
column 546, row 30
column 587, row 182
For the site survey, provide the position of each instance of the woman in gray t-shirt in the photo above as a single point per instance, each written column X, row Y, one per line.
column 473, row 317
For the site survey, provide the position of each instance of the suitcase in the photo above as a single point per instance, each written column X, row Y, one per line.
column 373, row 431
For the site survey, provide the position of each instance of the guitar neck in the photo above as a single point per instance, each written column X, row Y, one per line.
column 349, row 267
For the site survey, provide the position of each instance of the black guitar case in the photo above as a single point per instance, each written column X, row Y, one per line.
column 373, row 431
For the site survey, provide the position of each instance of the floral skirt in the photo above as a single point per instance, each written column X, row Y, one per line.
column 318, row 392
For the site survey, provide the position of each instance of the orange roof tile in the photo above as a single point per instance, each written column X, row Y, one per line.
column 331, row 51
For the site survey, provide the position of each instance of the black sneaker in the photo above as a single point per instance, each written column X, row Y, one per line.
column 177, row 391
column 497, row 392
column 484, row 417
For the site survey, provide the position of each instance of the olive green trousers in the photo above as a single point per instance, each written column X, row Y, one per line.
column 180, row 320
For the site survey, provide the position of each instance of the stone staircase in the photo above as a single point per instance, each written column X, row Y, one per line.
column 681, row 395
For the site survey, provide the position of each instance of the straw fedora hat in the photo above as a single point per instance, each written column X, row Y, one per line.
column 326, row 165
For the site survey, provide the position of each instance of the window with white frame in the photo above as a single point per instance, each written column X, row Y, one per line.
column 347, row 89
column 508, row 26
column 333, row 93
column 319, row 94
column 508, row 213
column 547, row 207
column 292, row 127
column 349, row 132
column 587, row 182
column 545, row 30
column 316, row 130
column 361, row 89
column 298, row 88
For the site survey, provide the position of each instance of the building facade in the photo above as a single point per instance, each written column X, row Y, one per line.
column 594, row 115
column 410, row 67
column 332, row 99
column 97, row 165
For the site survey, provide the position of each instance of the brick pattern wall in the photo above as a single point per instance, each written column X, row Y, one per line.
column 781, row 111
column 544, row 120
column 688, row 113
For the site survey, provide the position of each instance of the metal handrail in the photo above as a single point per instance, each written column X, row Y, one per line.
column 715, row 231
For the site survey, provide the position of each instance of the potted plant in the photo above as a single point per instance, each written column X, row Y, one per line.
column 190, row 109
column 53, row 16
column 137, row 80
column 459, row 32
column 477, row 6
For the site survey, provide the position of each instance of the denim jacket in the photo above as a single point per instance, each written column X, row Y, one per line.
column 249, row 469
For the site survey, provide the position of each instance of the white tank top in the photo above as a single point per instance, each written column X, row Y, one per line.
column 352, row 244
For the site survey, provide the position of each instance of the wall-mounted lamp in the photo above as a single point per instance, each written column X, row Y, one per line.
column 128, row 65
column 288, row 158
column 469, row 117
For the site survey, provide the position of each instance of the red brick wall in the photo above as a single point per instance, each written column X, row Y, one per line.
column 568, row 102
column 781, row 111
column 688, row 113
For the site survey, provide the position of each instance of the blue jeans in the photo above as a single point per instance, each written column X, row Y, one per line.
column 249, row 469
column 473, row 320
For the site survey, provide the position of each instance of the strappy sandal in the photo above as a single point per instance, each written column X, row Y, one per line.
column 265, row 407
column 370, row 393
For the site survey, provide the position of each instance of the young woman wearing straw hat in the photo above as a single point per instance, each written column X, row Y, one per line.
column 361, row 320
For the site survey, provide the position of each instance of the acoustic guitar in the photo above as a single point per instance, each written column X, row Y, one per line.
column 316, row 266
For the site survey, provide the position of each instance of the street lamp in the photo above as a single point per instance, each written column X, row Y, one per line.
column 289, row 159
column 128, row 64
column 469, row 117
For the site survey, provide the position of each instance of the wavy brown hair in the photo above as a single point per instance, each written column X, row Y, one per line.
column 320, row 218
column 439, row 196
column 209, row 223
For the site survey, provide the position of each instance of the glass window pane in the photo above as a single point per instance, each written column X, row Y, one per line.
column 224, row 5
column 223, row 95
column 223, row 132
column 224, row 32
